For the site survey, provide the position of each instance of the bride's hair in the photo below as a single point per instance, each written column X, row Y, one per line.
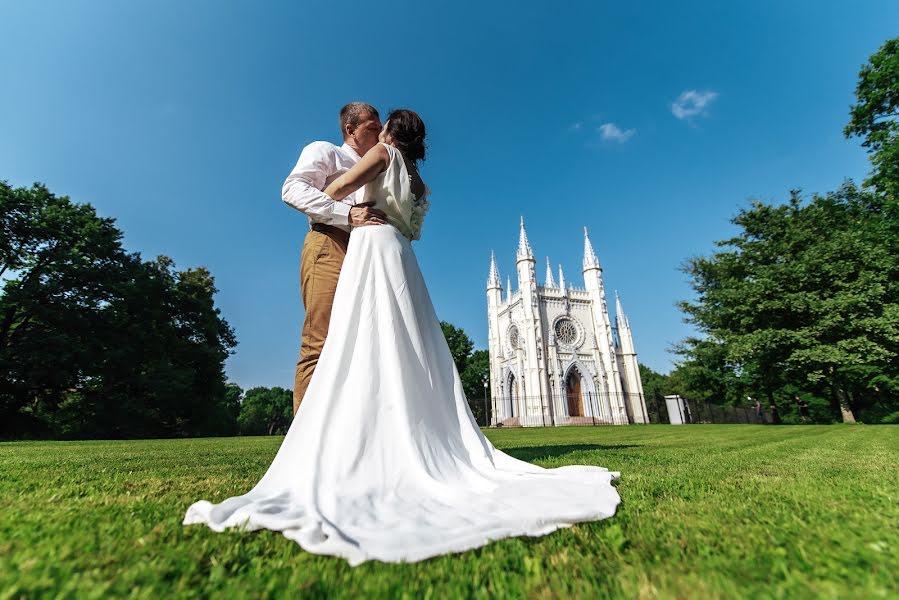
column 408, row 133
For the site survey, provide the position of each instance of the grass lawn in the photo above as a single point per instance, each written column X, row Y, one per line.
column 708, row 511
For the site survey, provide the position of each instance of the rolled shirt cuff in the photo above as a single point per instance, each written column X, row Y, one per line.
column 341, row 213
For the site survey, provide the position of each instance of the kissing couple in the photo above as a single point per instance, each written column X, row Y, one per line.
column 384, row 460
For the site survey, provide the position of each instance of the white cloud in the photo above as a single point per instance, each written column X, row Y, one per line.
column 610, row 131
column 576, row 126
column 692, row 103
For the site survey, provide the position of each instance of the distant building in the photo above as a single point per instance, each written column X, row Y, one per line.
column 555, row 358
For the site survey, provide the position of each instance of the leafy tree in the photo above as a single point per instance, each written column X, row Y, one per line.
column 266, row 411
column 95, row 342
column 460, row 344
column 654, row 383
column 473, row 367
column 805, row 294
column 477, row 371
column 876, row 116
column 232, row 399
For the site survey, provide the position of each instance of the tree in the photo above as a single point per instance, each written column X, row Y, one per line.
column 654, row 383
column 805, row 293
column 876, row 116
column 473, row 367
column 94, row 341
column 459, row 343
column 266, row 411
column 477, row 371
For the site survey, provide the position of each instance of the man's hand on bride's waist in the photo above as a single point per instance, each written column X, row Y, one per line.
column 364, row 214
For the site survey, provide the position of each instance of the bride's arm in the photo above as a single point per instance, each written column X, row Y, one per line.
column 372, row 164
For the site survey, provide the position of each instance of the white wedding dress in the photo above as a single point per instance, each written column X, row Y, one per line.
column 384, row 460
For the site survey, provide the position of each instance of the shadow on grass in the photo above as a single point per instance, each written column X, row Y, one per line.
column 531, row 453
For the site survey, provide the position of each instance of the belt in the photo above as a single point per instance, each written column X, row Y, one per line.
column 330, row 230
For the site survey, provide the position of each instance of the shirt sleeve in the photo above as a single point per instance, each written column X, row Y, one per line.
column 303, row 187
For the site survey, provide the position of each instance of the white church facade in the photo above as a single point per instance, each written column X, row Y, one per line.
column 555, row 358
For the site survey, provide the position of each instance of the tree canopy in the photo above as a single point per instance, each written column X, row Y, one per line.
column 95, row 341
column 875, row 116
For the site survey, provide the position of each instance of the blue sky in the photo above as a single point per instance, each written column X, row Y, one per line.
column 182, row 119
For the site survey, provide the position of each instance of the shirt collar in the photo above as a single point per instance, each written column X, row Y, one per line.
column 349, row 150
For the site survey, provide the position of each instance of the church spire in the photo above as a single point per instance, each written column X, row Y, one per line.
column 620, row 318
column 550, row 282
column 508, row 289
column 590, row 259
column 493, row 279
column 561, row 278
column 524, row 246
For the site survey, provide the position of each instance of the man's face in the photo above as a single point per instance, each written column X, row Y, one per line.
column 366, row 133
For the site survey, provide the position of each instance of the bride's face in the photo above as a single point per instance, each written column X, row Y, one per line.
column 384, row 136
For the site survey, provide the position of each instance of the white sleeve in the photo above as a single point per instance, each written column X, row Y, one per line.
column 303, row 187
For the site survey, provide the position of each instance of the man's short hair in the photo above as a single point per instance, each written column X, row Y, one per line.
column 353, row 112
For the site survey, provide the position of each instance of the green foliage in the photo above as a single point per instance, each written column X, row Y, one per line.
column 477, row 371
column 459, row 343
column 266, row 411
column 473, row 367
column 654, row 383
column 805, row 294
column 876, row 116
column 805, row 298
column 95, row 342
column 708, row 511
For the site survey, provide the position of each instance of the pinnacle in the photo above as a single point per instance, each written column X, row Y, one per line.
column 493, row 280
column 524, row 246
column 590, row 259
column 620, row 317
column 550, row 282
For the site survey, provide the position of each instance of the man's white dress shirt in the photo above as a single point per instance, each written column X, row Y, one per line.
column 321, row 163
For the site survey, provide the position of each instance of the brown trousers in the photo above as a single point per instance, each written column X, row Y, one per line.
column 323, row 254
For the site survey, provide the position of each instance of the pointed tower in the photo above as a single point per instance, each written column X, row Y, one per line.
column 529, row 321
column 561, row 278
column 494, row 343
column 508, row 290
column 590, row 259
column 628, row 366
column 550, row 282
column 493, row 278
column 605, row 344
column 524, row 246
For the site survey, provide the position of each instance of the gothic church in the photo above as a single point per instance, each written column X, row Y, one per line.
column 555, row 358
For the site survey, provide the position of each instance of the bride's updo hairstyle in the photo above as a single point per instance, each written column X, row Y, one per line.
column 407, row 130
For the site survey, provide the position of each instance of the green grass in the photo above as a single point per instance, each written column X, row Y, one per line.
column 708, row 511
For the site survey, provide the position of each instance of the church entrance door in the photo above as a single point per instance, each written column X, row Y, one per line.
column 573, row 392
column 513, row 396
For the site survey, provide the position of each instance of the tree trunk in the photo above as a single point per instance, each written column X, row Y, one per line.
column 843, row 401
column 840, row 398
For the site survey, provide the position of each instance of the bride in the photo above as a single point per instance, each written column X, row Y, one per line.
column 384, row 459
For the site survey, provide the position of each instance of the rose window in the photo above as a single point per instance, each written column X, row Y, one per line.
column 513, row 337
column 566, row 332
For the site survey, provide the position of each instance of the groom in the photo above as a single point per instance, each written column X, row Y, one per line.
column 330, row 222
